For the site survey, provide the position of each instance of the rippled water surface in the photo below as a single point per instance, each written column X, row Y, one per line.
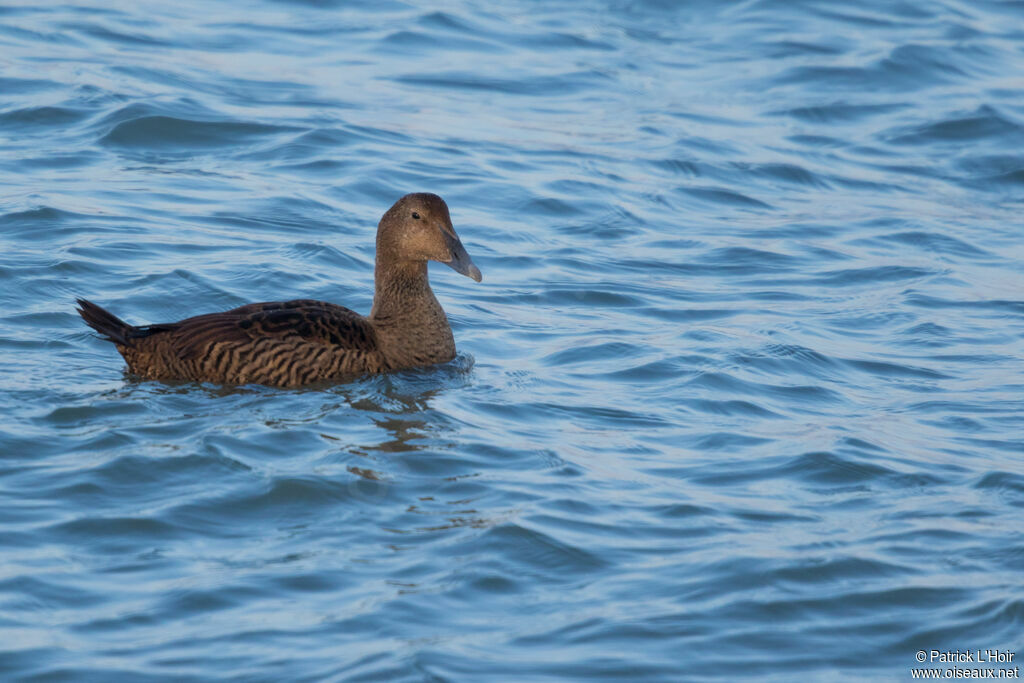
column 739, row 397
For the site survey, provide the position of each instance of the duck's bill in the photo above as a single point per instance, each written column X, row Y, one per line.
column 460, row 262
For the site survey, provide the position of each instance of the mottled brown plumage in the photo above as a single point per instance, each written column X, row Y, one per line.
column 292, row 343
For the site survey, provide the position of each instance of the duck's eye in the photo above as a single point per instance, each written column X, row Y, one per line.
column 415, row 215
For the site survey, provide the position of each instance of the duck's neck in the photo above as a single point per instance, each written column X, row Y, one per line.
column 401, row 291
column 407, row 316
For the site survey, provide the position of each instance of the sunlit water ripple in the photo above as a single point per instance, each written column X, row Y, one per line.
column 740, row 395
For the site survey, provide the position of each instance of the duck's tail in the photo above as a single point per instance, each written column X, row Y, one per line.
column 106, row 323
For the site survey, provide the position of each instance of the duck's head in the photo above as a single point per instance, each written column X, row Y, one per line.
column 418, row 229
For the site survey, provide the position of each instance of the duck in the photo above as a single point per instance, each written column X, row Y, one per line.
column 304, row 341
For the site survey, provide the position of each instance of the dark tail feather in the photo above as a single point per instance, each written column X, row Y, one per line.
column 106, row 323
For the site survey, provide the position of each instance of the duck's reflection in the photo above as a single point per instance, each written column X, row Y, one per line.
column 417, row 459
column 393, row 441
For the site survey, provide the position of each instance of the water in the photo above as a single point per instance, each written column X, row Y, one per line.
column 740, row 395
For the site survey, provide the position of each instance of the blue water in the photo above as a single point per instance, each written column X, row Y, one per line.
column 741, row 395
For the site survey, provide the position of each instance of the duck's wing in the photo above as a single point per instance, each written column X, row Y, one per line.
column 303, row 321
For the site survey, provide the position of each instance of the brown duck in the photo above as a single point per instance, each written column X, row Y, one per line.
column 291, row 343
